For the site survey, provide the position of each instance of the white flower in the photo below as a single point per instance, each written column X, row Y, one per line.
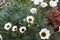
column 30, row 19
column 0, row 37
column 56, row 0
column 44, row 4
column 36, row 2
column 33, row 10
column 22, row 29
column 14, row 28
column 44, row 33
column 53, row 3
column 7, row 26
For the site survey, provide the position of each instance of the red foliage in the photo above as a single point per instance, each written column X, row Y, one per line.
column 54, row 18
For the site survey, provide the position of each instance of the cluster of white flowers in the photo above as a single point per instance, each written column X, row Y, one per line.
column 44, row 33
column 29, row 19
column 14, row 28
column 44, row 4
column 8, row 26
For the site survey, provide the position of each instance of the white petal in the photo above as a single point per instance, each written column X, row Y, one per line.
column 56, row 0
column 48, row 35
column 43, row 37
column 36, row 3
column 1, row 36
column 53, row 3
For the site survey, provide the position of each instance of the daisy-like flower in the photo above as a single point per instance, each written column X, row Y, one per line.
column 22, row 29
column 33, row 10
column 0, row 37
column 14, row 28
column 57, row 0
column 53, row 3
column 7, row 26
column 44, row 4
column 44, row 33
column 30, row 19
